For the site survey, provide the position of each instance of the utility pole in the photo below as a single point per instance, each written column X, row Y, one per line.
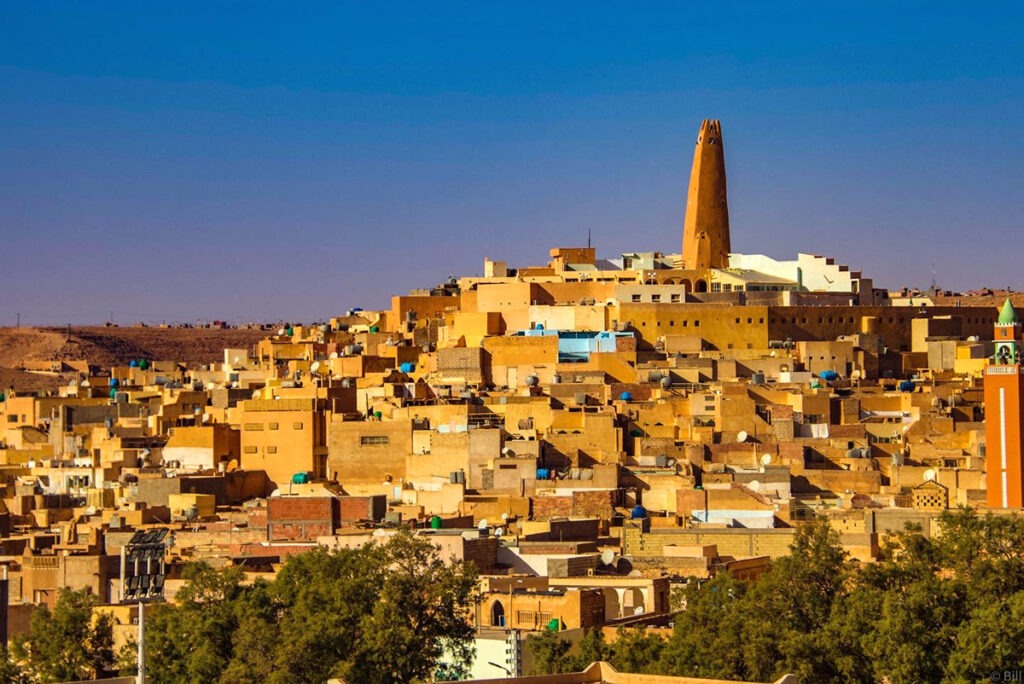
column 19, row 320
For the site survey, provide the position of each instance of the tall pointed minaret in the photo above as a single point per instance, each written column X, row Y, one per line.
column 706, row 229
column 1004, row 418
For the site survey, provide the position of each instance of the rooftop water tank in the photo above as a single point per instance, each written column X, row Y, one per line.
column 829, row 375
column 407, row 367
column 626, row 396
column 374, row 329
column 114, row 382
column 143, row 364
column 543, row 474
column 638, row 512
column 300, row 478
column 133, row 364
column 907, row 386
column 436, row 523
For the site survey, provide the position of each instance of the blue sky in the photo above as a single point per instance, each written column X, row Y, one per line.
column 183, row 161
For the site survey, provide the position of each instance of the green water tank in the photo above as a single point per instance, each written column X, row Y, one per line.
column 436, row 523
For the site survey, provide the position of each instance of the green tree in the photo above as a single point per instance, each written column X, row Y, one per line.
column 550, row 653
column 68, row 642
column 636, row 650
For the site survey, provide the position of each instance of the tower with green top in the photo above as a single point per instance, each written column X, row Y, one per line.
column 1004, row 419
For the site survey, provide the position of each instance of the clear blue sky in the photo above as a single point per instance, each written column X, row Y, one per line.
column 182, row 161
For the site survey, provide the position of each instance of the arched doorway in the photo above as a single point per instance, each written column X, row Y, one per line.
column 700, row 286
column 497, row 614
column 687, row 285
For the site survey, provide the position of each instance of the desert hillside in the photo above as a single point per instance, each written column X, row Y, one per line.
column 107, row 347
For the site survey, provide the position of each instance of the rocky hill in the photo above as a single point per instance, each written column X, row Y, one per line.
column 109, row 346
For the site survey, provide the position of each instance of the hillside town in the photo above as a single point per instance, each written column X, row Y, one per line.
column 594, row 433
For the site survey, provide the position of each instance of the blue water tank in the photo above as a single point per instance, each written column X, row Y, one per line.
column 114, row 382
column 626, row 396
column 543, row 474
column 407, row 367
column 829, row 375
column 300, row 478
column 638, row 512
column 133, row 364
column 540, row 326
column 907, row 386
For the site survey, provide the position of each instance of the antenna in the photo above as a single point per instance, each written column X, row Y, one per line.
column 588, row 238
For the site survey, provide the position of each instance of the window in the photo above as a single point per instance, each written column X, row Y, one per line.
column 727, row 287
column 675, row 298
column 271, row 449
column 636, row 298
column 272, row 426
column 374, row 440
column 749, row 321
column 249, row 450
column 297, row 426
column 716, row 287
column 696, row 324
column 656, row 298
column 253, row 426
column 13, row 418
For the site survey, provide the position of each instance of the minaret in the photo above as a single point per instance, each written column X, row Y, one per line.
column 1004, row 420
column 706, row 229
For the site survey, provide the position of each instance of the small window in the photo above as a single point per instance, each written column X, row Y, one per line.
column 696, row 324
column 656, row 298
column 271, row 449
column 272, row 426
column 636, row 298
column 374, row 440
column 249, row 450
column 253, row 426
column 675, row 298
column 297, row 426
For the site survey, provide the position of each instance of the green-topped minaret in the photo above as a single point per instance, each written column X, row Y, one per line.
column 1007, row 335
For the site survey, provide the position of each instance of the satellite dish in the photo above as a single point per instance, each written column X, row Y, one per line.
column 608, row 557
column 754, row 486
column 333, row 355
column 504, row 517
column 276, row 493
column 314, row 367
column 256, row 394
column 482, row 525
column 929, row 475
column 855, row 375
column 236, row 361
column 91, row 510
column 741, row 436
column 766, row 459
column 498, row 532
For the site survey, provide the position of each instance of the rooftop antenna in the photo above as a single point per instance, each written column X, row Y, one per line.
column 588, row 238
column 935, row 283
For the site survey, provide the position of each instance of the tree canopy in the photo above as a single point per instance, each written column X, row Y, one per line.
column 379, row 613
column 942, row 609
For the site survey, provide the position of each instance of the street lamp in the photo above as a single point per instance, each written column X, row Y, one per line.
column 143, row 570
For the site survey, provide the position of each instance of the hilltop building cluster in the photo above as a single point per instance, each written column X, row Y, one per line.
column 588, row 431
